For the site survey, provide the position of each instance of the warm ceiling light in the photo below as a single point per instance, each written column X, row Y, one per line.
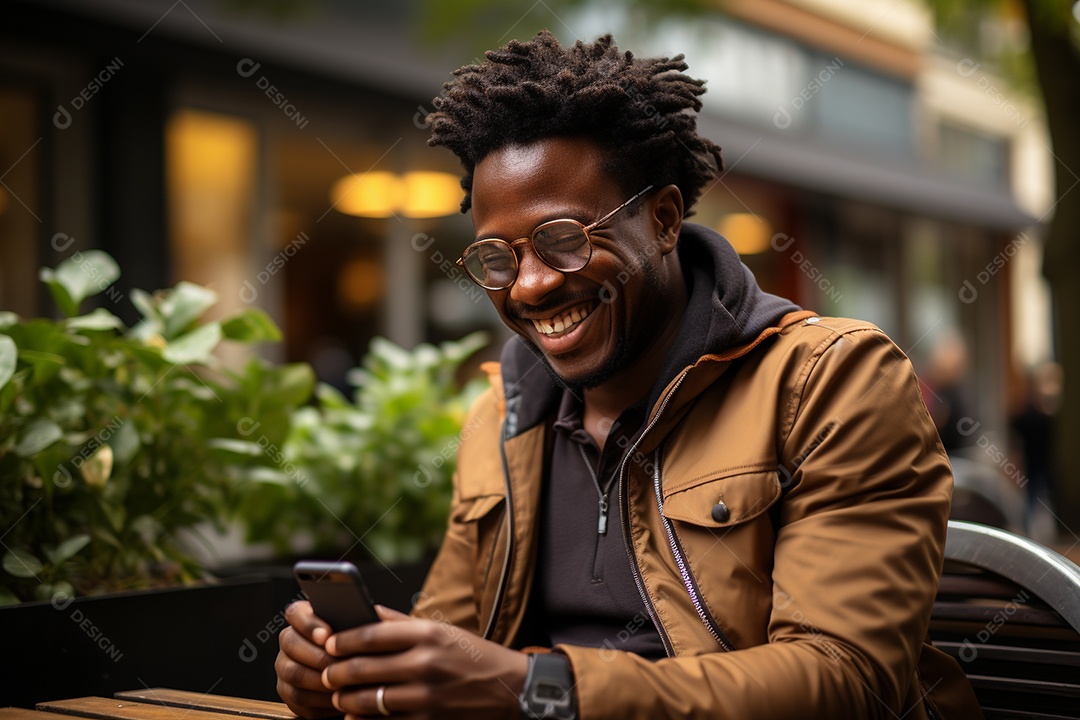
column 371, row 194
column 746, row 232
column 412, row 195
column 431, row 194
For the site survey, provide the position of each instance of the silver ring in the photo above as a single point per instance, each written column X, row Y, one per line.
column 380, row 700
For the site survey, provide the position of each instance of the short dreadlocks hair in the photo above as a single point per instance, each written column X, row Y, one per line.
column 637, row 108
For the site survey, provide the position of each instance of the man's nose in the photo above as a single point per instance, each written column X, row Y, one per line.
column 535, row 278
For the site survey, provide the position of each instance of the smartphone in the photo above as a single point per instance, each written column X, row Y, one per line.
column 336, row 592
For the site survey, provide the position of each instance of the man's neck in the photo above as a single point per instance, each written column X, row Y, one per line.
column 631, row 385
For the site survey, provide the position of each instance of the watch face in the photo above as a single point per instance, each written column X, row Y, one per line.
column 549, row 700
column 550, row 693
column 549, row 690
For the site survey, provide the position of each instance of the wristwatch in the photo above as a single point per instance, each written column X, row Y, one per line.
column 549, row 689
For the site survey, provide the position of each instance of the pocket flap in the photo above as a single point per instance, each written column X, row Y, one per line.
column 724, row 501
column 476, row 508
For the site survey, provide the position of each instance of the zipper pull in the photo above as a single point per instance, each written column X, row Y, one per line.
column 601, row 527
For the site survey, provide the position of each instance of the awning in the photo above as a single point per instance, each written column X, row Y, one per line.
column 888, row 181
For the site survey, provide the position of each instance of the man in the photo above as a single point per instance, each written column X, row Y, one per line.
column 683, row 497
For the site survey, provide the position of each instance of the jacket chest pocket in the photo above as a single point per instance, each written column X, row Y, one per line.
column 723, row 501
column 723, row 539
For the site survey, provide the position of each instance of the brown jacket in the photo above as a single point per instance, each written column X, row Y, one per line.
column 787, row 508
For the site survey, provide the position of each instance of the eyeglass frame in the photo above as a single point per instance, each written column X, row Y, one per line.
column 585, row 229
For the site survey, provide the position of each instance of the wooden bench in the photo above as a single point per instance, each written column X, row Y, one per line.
column 1008, row 609
column 153, row 704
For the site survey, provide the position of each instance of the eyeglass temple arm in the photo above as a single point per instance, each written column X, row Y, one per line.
column 612, row 214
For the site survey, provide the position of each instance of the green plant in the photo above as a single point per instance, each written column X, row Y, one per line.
column 371, row 476
column 108, row 434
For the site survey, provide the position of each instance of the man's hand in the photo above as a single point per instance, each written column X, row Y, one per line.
column 301, row 661
column 429, row 669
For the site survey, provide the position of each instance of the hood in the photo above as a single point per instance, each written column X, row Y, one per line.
column 726, row 309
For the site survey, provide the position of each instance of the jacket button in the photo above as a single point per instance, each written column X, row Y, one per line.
column 720, row 512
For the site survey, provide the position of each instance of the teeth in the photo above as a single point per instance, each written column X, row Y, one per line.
column 561, row 323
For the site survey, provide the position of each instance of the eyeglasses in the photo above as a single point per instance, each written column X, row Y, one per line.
column 563, row 245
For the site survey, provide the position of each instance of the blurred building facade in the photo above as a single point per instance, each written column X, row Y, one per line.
column 871, row 173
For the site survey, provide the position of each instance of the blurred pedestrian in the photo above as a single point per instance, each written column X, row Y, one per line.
column 1034, row 427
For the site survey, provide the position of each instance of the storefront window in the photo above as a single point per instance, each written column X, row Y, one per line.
column 20, row 204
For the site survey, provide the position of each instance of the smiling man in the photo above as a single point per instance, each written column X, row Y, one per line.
column 683, row 497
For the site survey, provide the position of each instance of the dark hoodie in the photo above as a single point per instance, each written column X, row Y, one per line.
column 725, row 309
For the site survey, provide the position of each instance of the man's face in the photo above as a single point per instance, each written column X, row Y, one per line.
column 589, row 324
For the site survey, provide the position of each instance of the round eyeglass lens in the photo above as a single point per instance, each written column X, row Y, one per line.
column 562, row 245
column 492, row 264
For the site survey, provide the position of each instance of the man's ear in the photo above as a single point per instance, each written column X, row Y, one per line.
column 667, row 209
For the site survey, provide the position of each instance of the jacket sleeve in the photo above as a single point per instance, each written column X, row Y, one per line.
column 448, row 594
column 858, row 552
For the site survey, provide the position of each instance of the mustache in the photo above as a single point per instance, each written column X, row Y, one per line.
column 547, row 309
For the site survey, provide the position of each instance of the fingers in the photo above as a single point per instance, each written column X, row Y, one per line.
column 370, row 670
column 301, row 617
column 299, row 649
column 397, row 699
column 390, row 614
column 398, row 635
column 305, row 703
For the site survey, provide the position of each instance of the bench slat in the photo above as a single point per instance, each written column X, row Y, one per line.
column 14, row 713
column 210, row 703
column 109, row 709
column 1011, row 653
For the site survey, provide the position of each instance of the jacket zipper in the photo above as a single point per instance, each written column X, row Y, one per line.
column 490, row 629
column 624, row 503
column 684, row 566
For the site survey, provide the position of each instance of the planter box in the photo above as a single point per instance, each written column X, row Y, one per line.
column 219, row 639
column 215, row 638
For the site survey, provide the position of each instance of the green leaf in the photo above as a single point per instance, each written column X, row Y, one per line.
column 392, row 354
column 458, row 351
column 9, row 358
column 251, row 325
column 125, row 443
column 100, row 319
column 294, row 383
column 182, row 306
column 36, row 436
column 195, row 346
column 116, row 515
column 68, row 549
column 7, row 597
column 21, row 564
column 80, row 276
column 330, row 397
column 144, row 303
column 237, row 447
